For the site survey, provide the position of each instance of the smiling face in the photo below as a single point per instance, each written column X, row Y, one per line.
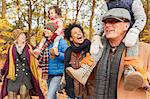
column 21, row 38
column 114, row 28
column 76, row 36
column 47, row 33
column 52, row 14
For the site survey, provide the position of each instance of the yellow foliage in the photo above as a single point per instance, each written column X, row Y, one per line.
column 1, row 49
column 5, row 25
column 8, row 34
column 4, row 52
column 39, row 36
column 2, row 41
column 145, row 39
column 146, row 30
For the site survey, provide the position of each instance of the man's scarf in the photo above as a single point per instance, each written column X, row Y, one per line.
column 107, row 72
column 32, row 64
column 43, row 57
column 85, row 46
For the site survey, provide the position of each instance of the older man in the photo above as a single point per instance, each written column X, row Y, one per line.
column 110, row 68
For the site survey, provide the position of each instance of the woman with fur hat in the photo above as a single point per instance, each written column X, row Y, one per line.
column 20, row 70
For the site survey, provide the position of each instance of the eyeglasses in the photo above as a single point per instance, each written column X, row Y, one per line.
column 113, row 20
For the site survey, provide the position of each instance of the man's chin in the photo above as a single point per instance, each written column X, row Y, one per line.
column 81, row 41
column 110, row 35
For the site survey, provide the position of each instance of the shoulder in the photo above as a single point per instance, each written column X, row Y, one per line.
column 62, row 41
column 28, row 46
column 134, row 2
column 144, row 46
column 68, row 50
column 12, row 46
column 60, row 20
column 144, row 50
column 144, row 53
column 43, row 39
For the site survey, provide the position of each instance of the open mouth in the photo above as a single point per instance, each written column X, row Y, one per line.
column 79, row 38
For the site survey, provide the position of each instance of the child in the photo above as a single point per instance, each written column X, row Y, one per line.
column 138, row 15
column 55, row 17
column 54, row 14
column 20, row 70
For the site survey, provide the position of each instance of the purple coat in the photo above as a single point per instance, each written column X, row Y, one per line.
column 35, row 91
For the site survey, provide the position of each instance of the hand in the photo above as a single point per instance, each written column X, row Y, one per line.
column 62, row 85
column 97, row 40
column 96, row 44
column 56, row 51
column 87, row 60
column 61, row 88
column 131, row 37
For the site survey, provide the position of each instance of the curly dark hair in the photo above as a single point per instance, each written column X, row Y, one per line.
column 67, row 30
column 57, row 10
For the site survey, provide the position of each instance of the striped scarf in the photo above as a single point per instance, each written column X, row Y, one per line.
column 43, row 57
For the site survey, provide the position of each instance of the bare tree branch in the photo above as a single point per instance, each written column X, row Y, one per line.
column 78, row 7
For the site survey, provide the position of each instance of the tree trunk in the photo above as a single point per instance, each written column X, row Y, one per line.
column 91, row 18
column 66, row 12
column 57, row 2
column 78, row 6
column 148, row 18
column 3, row 8
column 77, row 11
column 18, row 24
column 45, row 13
column 29, row 21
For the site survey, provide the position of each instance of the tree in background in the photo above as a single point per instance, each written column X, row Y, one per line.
column 31, row 16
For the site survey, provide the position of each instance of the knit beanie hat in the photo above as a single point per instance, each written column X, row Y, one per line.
column 50, row 26
column 16, row 33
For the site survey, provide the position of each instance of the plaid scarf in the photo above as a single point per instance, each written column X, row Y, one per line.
column 43, row 57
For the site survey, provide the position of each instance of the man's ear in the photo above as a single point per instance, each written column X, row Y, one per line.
column 71, row 39
column 127, row 25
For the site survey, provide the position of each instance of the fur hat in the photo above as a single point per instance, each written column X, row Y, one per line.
column 16, row 33
column 50, row 26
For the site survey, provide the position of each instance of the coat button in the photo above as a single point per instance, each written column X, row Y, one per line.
column 23, row 64
column 17, row 64
column 24, row 58
column 17, row 59
column 16, row 75
column 17, row 69
column 23, row 69
column 26, row 73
